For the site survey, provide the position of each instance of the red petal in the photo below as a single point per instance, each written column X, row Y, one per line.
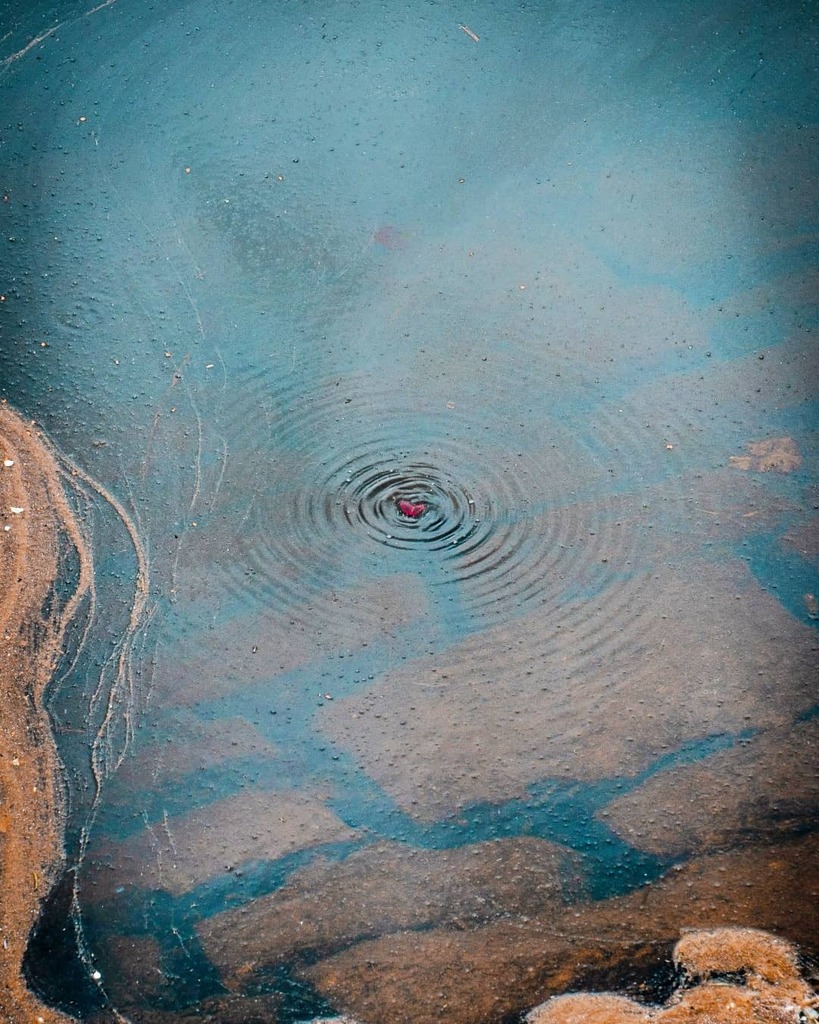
column 411, row 509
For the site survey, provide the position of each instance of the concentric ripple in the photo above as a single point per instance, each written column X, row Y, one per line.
column 367, row 494
column 508, row 518
column 346, row 518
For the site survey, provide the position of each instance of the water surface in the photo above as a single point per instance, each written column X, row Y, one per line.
column 269, row 269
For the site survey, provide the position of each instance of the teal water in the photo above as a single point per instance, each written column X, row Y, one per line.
column 268, row 268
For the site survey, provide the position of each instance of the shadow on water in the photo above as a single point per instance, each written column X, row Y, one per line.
column 54, row 964
column 453, row 392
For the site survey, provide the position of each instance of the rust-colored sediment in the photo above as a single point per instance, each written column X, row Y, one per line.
column 770, row 989
column 35, row 520
column 386, row 888
column 469, row 974
column 765, row 786
column 776, row 454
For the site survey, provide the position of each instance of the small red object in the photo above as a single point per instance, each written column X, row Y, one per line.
column 388, row 237
column 411, row 509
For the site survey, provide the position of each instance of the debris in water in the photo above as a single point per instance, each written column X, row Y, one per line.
column 389, row 237
column 411, row 509
column 777, row 454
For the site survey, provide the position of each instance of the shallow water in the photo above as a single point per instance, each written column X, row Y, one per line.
column 268, row 270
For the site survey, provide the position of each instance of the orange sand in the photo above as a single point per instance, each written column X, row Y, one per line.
column 467, row 966
column 777, row 454
column 765, row 786
column 473, row 975
column 771, row 990
column 604, row 695
column 386, row 888
column 34, row 517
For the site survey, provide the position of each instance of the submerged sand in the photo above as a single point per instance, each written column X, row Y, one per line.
column 460, row 935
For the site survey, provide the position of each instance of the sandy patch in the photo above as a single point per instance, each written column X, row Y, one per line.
column 602, row 695
column 260, row 647
column 468, row 977
column 34, row 516
column 766, row 785
column 194, row 746
column 804, row 539
column 386, row 888
column 776, row 454
column 178, row 853
column 769, row 989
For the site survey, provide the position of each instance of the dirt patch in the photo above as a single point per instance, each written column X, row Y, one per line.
column 508, row 966
column 768, row 989
column 386, row 888
column 180, row 852
column 271, row 642
column 804, row 539
column 777, row 454
column 603, row 694
column 36, row 524
column 764, row 786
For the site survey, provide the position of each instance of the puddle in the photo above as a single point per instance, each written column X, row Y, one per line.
column 437, row 402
